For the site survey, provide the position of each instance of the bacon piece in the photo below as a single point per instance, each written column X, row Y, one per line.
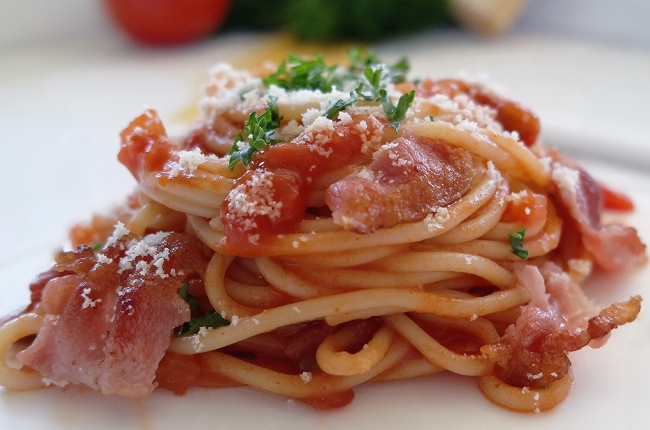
column 410, row 178
column 567, row 296
column 107, row 325
column 511, row 115
column 536, row 361
column 613, row 246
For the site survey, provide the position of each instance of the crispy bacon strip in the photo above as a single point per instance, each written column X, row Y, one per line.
column 107, row 325
column 409, row 179
column 613, row 246
column 535, row 362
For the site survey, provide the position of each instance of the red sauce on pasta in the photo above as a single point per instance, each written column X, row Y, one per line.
column 294, row 168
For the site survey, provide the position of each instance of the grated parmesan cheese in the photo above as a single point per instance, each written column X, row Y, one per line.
column 102, row 259
column 188, row 162
column 565, row 178
column 88, row 302
column 138, row 252
column 306, row 377
column 534, row 377
column 516, row 197
column 49, row 381
column 119, row 232
column 253, row 198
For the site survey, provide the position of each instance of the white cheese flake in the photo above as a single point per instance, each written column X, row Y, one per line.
column 88, row 302
column 119, row 232
column 516, row 197
column 306, row 377
column 102, row 259
column 565, row 178
column 197, row 344
column 188, row 162
column 255, row 197
column 50, row 381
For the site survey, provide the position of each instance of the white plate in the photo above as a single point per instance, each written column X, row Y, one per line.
column 62, row 110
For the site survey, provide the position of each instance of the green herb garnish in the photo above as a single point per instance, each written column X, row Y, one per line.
column 339, row 105
column 366, row 74
column 258, row 130
column 209, row 319
column 182, row 291
column 298, row 73
column 396, row 114
column 371, row 87
column 98, row 246
column 396, row 73
column 517, row 243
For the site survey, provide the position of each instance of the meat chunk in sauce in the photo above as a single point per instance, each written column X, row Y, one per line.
column 410, row 178
column 108, row 325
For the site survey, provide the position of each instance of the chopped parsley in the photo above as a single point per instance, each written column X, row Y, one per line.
column 209, row 319
column 517, row 243
column 396, row 73
column 372, row 76
column 367, row 75
column 258, row 130
column 298, row 73
column 338, row 105
column 98, row 246
column 396, row 114
column 189, row 299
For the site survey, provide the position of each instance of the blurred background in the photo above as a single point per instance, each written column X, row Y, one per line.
column 36, row 22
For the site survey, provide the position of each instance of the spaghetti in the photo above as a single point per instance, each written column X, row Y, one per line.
column 361, row 228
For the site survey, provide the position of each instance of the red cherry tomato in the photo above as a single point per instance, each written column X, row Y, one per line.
column 616, row 201
column 168, row 22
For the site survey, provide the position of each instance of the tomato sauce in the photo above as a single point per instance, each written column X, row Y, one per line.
column 616, row 201
column 331, row 401
column 178, row 373
column 294, row 166
column 527, row 209
column 145, row 147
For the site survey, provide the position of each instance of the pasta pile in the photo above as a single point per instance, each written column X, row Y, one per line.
column 321, row 227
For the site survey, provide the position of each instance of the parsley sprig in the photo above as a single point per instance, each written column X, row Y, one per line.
column 366, row 74
column 300, row 73
column 258, row 129
column 517, row 243
column 396, row 114
column 396, row 73
column 371, row 88
column 209, row 319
